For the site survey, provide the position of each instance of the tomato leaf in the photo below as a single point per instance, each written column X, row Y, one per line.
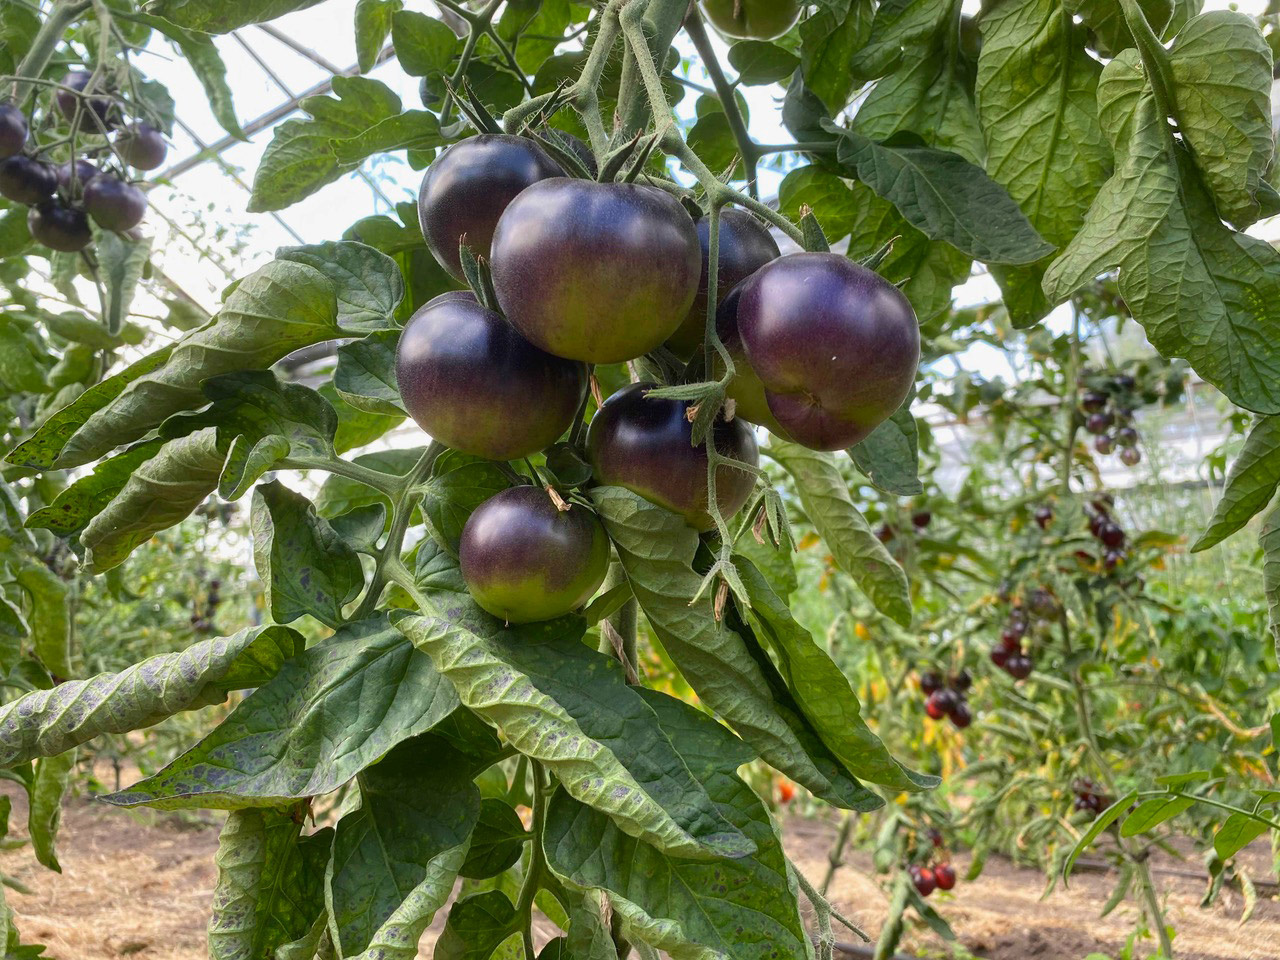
column 305, row 566
column 45, row 723
column 1251, row 484
column 395, row 859
column 562, row 703
column 739, row 905
column 293, row 737
column 224, row 16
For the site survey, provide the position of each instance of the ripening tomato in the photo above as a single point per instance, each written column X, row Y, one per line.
column 752, row 19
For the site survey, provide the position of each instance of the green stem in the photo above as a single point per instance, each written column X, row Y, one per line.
column 658, row 22
column 533, row 873
column 746, row 146
column 402, row 504
column 382, row 482
column 1209, row 801
column 60, row 19
column 805, row 146
column 836, row 855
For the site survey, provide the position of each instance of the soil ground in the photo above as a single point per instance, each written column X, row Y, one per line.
column 138, row 885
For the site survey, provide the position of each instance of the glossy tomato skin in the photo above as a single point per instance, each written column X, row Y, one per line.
column 141, row 146
column 755, row 20
column 473, row 383
column 114, row 204
column 469, row 185
column 745, row 389
column 601, row 272
column 59, row 227
column 523, row 559
column 835, row 345
column 27, row 180
column 745, row 246
column 101, row 106
column 13, row 130
column 645, row 445
column 74, row 179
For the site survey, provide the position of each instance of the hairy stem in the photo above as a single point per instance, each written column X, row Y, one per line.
column 60, row 18
column 747, row 148
column 533, row 873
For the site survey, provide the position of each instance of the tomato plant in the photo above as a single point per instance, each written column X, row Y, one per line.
column 554, row 649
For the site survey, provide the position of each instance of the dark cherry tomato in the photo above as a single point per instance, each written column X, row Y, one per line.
column 921, row 519
column 835, row 345
column 945, row 876
column 884, row 533
column 745, row 389
column 929, row 682
column 601, row 272
column 941, row 702
column 1111, row 534
column 101, row 106
column 1000, row 655
column 752, row 19
column 59, row 227
column 1112, row 559
column 646, row 445
column 469, row 185
column 473, row 383
column 1042, row 604
column 1094, row 402
column 1104, row 444
column 745, row 246
column 27, row 180
column 13, row 131
column 1019, row 666
column 1127, row 437
column 141, row 146
column 925, row 881
column 1044, row 516
column 524, row 559
column 1130, row 456
column 73, row 177
column 1097, row 423
column 960, row 715
column 1125, row 382
column 962, row 681
column 114, row 204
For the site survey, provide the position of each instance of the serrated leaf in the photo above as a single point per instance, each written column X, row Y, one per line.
column 898, row 25
column 657, row 549
column 1251, row 484
column 396, row 857
column 730, row 909
column 1200, row 290
column 303, row 156
column 459, row 483
column 305, row 296
column 1100, row 823
column 1221, row 67
column 45, row 723
column 294, row 737
column 366, row 374
column 829, row 39
column 270, row 883
column 201, row 54
column 497, row 841
column 120, row 266
column 1236, row 833
column 759, row 63
column 570, row 707
column 944, row 196
column 477, row 927
column 424, row 45
column 305, row 566
column 822, row 691
column 856, row 550
column 161, row 492
column 1152, row 812
column 79, row 503
column 890, row 455
column 40, row 451
column 225, row 15
column 373, row 26
column 1105, row 18
column 1037, row 102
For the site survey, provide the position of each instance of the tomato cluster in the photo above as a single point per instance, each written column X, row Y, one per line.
column 941, row 876
column 62, row 198
column 1107, row 408
column 569, row 272
column 949, row 699
column 1089, row 798
column 1109, row 534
